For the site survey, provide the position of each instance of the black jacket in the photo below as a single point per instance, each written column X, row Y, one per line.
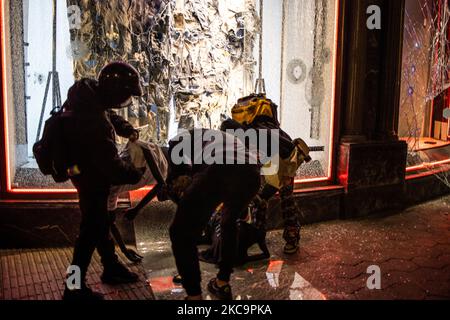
column 194, row 163
column 285, row 144
column 89, row 131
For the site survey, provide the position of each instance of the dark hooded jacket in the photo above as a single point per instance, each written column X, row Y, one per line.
column 286, row 146
column 89, row 132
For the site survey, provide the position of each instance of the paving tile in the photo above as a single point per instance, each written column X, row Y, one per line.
column 437, row 263
column 398, row 265
column 407, row 291
column 375, row 294
column 412, row 250
column 7, row 294
column 36, row 274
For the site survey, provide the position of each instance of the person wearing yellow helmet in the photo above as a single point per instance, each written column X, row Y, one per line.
column 260, row 113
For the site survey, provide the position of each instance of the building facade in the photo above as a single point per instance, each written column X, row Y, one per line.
column 367, row 81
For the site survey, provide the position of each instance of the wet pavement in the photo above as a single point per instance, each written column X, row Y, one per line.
column 411, row 249
column 39, row 274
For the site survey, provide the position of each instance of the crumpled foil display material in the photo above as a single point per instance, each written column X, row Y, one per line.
column 200, row 52
column 212, row 51
column 128, row 30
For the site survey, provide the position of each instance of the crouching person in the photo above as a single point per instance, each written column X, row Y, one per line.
column 256, row 112
column 89, row 132
column 203, row 173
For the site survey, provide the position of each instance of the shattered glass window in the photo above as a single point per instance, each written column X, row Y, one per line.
column 307, row 78
column 196, row 58
column 424, row 100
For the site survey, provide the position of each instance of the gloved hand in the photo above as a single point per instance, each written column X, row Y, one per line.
column 134, row 136
column 134, row 175
column 259, row 203
column 181, row 183
column 178, row 186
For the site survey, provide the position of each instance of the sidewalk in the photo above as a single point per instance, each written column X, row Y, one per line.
column 411, row 248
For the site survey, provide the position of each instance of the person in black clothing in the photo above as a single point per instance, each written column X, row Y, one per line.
column 199, row 186
column 89, row 131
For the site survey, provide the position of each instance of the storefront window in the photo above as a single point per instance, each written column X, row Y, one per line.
column 196, row 58
column 425, row 95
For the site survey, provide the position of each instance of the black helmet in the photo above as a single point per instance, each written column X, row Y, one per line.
column 118, row 81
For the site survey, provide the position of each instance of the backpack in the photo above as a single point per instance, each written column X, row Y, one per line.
column 248, row 233
column 50, row 151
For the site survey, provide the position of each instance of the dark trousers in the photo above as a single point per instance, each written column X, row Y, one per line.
column 289, row 207
column 234, row 186
column 94, row 228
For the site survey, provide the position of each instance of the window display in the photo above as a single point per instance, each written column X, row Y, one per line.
column 196, row 58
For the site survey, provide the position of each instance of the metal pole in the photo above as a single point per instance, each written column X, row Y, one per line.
column 283, row 32
column 260, row 87
column 260, row 54
column 41, row 118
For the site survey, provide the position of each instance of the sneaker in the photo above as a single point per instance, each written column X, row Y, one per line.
column 292, row 237
column 222, row 293
column 117, row 273
column 290, row 248
column 83, row 294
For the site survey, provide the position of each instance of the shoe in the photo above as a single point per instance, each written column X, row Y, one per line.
column 117, row 273
column 222, row 293
column 176, row 279
column 83, row 294
column 290, row 248
column 292, row 236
